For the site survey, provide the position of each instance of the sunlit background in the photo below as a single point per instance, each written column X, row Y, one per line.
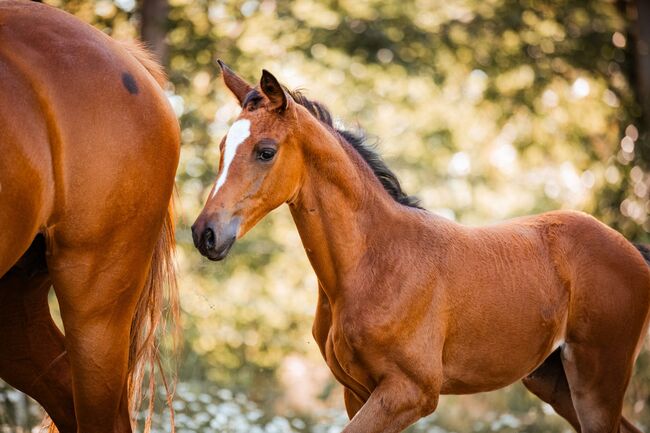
column 486, row 110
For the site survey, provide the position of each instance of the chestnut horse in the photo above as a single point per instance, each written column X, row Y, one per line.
column 412, row 305
column 88, row 151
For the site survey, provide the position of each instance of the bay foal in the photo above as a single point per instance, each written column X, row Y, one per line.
column 412, row 305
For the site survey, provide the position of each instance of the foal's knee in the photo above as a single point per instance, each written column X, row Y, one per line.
column 411, row 397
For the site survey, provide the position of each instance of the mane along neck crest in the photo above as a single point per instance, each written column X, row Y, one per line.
column 359, row 143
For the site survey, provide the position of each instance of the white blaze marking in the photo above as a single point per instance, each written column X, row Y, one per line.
column 237, row 134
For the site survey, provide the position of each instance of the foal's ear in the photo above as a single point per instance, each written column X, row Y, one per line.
column 278, row 98
column 237, row 85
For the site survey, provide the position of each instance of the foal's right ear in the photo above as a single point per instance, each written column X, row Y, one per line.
column 273, row 90
column 237, row 85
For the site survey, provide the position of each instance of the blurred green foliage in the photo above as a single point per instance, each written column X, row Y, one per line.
column 486, row 109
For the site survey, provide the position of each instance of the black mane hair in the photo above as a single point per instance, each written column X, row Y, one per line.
column 359, row 143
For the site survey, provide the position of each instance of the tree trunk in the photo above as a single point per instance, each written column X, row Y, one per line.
column 153, row 27
column 643, row 57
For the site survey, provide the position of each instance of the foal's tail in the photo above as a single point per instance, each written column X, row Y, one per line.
column 156, row 311
column 644, row 249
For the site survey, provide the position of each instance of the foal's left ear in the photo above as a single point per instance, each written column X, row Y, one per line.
column 274, row 92
column 234, row 82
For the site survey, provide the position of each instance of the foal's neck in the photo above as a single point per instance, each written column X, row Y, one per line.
column 341, row 209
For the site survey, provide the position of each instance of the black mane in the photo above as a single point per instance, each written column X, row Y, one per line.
column 358, row 142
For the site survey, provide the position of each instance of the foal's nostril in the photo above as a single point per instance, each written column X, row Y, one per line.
column 208, row 239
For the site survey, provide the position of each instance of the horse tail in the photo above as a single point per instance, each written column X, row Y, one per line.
column 644, row 249
column 157, row 314
column 146, row 59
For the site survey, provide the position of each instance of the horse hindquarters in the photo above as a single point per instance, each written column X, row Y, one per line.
column 108, row 264
column 608, row 318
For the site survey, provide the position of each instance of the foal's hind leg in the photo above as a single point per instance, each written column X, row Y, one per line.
column 33, row 357
column 549, row 383
column 607, row 319
column 598, row 378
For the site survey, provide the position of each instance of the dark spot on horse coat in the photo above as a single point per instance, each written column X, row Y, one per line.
column 129, row 83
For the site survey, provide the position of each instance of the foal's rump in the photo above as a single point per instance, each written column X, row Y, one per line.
column 609, row 280
column 525, row 287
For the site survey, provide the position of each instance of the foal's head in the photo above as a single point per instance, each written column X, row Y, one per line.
column 260, row 166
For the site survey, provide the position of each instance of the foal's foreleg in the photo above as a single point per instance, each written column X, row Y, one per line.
column 352, row 403
column 394, row 405
column 33, row 358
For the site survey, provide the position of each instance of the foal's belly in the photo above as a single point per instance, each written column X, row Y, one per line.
column 502, row 334
column 496, row 364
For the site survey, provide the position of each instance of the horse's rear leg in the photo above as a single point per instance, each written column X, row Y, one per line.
column 549, row 383
column 33, row 357
column 598, row 377
column 98, row 287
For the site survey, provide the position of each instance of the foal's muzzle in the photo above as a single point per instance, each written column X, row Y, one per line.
column 215, row 238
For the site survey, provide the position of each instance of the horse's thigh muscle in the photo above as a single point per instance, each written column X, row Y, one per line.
column 33, row 357
column 98, row 288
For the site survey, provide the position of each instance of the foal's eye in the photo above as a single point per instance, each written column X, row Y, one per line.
column 266, row 154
